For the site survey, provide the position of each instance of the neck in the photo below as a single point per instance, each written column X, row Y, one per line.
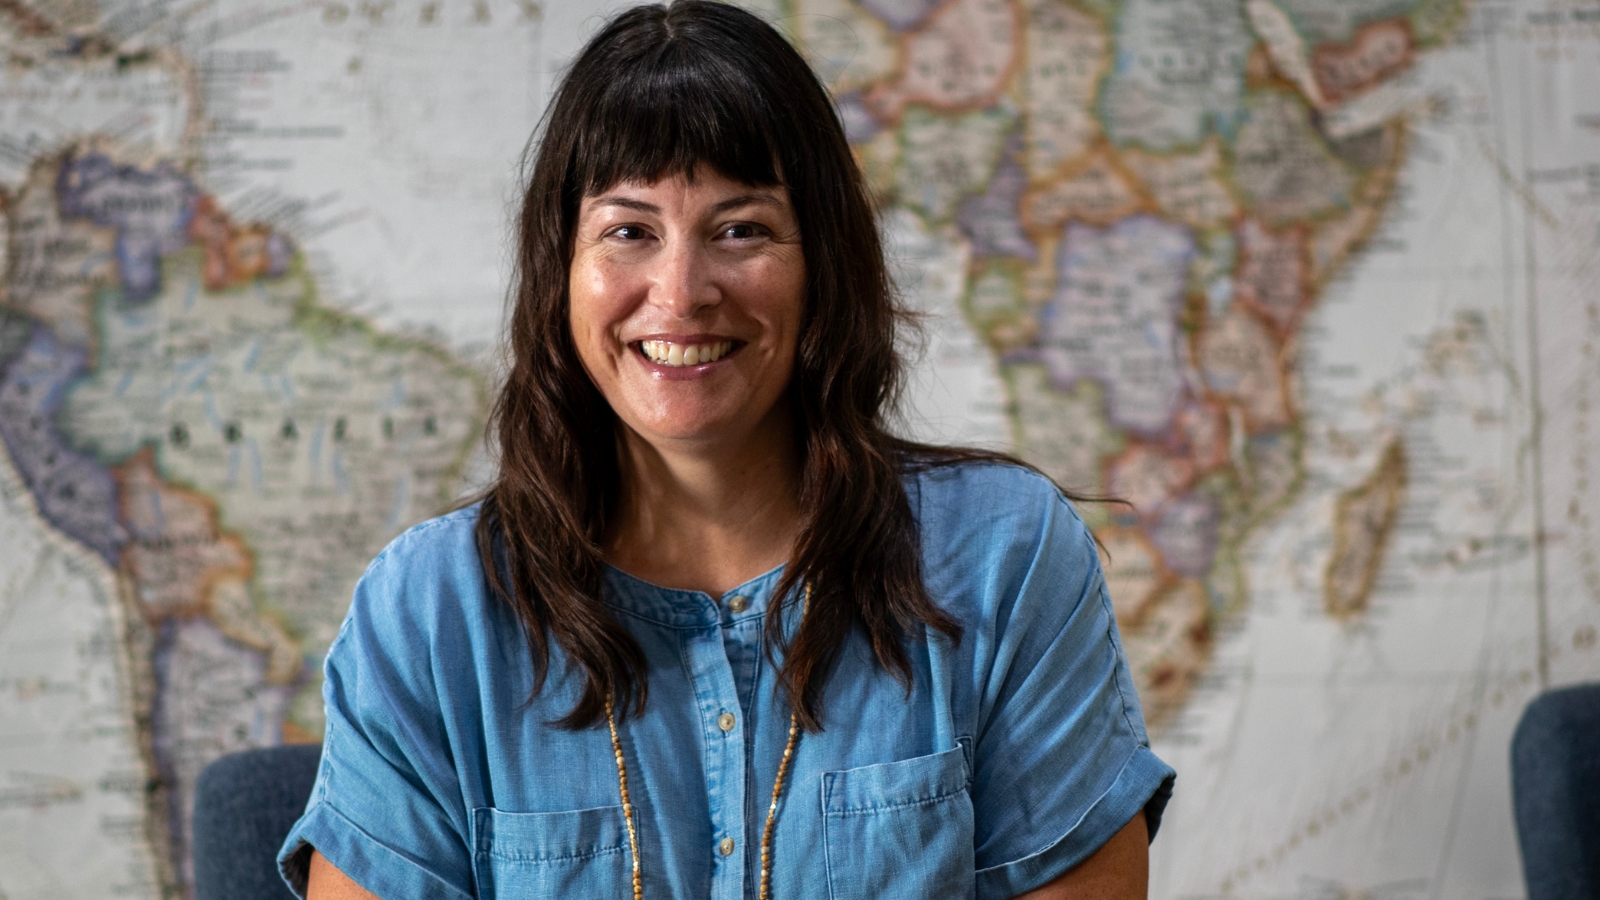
column 711, row 515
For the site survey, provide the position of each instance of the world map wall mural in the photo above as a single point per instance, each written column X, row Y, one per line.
column 1313, row 285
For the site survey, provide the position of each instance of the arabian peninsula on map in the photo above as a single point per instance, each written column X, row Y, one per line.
column 1310, row 284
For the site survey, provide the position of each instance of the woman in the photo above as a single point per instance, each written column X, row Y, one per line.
column 714, row 632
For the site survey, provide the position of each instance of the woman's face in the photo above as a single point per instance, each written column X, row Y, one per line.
column 685, row 304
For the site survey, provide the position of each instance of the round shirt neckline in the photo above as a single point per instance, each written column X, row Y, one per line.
column 684, row 608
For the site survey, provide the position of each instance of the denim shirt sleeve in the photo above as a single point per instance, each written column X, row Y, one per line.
column 385, row 806
column 1061, row 760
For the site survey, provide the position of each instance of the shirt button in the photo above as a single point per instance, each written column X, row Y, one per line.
column 725, row 722
column 725, row 847
column 737, row 603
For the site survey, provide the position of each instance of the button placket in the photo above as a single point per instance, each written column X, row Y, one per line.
column 716, row 692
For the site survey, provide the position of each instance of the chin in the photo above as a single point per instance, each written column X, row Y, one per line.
column 683, row 427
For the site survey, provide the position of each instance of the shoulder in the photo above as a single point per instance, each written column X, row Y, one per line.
column 439, row 545
column 996, row 500
column 994, row 533
column 967, row 482
column 425, row 591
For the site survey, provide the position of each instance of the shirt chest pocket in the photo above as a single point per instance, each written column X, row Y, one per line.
column 575, row 853
column 900, row 829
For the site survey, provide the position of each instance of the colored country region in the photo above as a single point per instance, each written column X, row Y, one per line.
column 213, row 697
column 55, row 264
column 236, row 254
column 1186, row 187
column 1169, row 646
column 1177, row 73
column 1114, row 317
column 1379, row 51
column 185, row 566
column 1337, row 237
column 900, row 14
column 75, row 492
column 1202, row 432
column 990, row 220
column 859, row 124
column 1282, row 165
column 847, row 47
column 1064, row 433
column 944, row 159
column 1272, row 274
column 1097, row 192
column 959, row 60
column 1271, row 472
column 150, row 209
column 177, row 553
column 1186, row 534
column 1065, row 56
column 1243, row 364
column 1146, row 476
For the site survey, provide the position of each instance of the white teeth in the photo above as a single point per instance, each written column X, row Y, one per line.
column 671, row 354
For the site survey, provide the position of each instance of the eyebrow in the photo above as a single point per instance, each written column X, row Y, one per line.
column 721, row 207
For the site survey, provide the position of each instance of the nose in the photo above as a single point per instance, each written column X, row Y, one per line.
column 684, row 281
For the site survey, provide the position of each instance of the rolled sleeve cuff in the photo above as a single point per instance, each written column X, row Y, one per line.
column 1145, row 783
column 366, row 861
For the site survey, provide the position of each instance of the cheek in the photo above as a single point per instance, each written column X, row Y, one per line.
column 594, row 307
column 773, row 292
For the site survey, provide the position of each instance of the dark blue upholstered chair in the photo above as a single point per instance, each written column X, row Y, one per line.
column 244, row 805
column 1555, row 787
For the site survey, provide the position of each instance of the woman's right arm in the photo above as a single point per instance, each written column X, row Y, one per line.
column 378, row 816
column 326, row 882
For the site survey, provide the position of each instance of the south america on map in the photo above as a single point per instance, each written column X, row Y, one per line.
column 1307, row 286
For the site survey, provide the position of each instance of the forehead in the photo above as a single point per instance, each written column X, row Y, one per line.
column 704, row 190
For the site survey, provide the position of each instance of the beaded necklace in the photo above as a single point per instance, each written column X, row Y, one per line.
column 772, row 810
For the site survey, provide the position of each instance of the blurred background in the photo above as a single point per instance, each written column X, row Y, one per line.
column 1313, row 283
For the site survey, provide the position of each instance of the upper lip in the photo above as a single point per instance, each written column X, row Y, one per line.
column 686, row 339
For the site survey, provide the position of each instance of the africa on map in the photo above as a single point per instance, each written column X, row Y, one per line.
column 1310, row 284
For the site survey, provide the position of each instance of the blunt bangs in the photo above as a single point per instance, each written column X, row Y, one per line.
column 698, row 98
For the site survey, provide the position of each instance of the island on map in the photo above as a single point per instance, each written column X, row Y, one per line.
column 1363, row 520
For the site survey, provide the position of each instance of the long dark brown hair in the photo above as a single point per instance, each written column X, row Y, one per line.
column 658, row 92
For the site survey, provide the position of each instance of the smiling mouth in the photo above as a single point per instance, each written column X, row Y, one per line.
column 667, row 353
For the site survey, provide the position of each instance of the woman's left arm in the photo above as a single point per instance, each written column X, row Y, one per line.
column 1119, row 870
column 1060, row 762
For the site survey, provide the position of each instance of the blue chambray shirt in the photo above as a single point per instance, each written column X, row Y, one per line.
column 1018, row 752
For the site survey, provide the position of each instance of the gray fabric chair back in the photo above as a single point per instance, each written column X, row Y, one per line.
column 1555, row 787
column 244, row 805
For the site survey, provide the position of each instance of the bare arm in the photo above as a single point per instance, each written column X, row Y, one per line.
column 326, row 882
column 1120, row 870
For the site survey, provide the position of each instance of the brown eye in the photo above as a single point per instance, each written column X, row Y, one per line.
column 742, row 231
column 629, row 232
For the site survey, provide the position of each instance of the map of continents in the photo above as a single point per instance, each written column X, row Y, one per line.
column 1294, row 278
